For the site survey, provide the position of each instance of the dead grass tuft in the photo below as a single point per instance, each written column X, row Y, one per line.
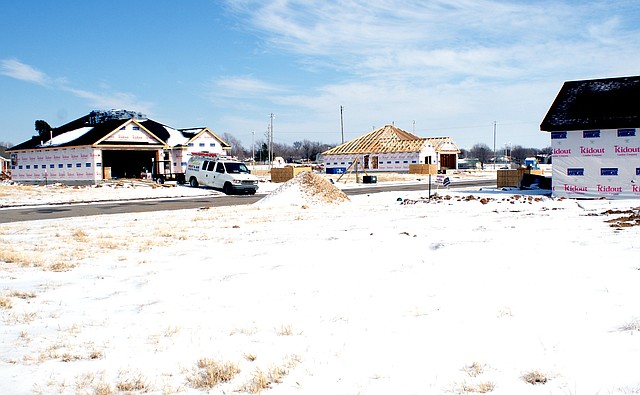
column 61, row 266
column 285, row 330
column 630, row 326
column 24, row 318
column 535, row 377
column 20, row 258
column 480, row 388
column 79, row 235
column 474, row 370
column 89, row 383
column 261, row 381
column 22, row 295
column 103, row 389
column 96, row 355
column 132, row 381
column 208, row 373
column 5, row 303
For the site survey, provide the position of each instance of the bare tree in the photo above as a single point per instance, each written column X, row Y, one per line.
column 481, row 152
column 519, row 153
column 236, row 145
column 545, row 151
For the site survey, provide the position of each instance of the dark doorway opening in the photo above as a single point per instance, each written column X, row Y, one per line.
column 127, row 164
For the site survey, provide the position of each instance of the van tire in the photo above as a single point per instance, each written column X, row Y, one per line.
column 227, row 189
column 193, row 182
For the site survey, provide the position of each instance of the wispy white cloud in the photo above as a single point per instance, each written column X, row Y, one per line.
column 244, row 86
column 444, row 63
column 437, row 39
column 106, row 99
column 16, row 69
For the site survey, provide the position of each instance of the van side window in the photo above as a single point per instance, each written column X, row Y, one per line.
column 211, row 166
column 220, row 168
column 204, row 165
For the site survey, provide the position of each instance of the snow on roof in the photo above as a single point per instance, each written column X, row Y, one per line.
column 192, row 130
column 175, row 137
column 67, row 137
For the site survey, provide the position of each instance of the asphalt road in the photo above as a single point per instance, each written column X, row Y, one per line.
column 147, row 205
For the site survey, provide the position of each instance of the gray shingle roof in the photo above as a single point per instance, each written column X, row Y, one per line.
column 607, row 103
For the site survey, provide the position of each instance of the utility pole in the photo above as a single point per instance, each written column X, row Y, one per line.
column 268, row 144
column 494, row 145
column 342, row 124
column 253, row 147
column 271, row 116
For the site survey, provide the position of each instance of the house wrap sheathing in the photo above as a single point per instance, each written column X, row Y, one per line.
column 390, row 149
column 594, row 126
column 107, row 144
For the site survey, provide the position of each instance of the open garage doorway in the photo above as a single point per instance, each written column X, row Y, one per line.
column 127, row 164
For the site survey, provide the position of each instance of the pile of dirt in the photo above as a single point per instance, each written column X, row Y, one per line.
column 305, row 189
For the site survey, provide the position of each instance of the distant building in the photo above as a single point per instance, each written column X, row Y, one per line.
column 4, row 161
column 391, row 149
column 107, row 144
column 594, row 137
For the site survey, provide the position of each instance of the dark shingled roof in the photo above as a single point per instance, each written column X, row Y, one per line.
column 92, row 136
column 608, row 103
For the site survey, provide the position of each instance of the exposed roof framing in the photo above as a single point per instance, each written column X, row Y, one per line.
column 443, row 144
column 387, row 139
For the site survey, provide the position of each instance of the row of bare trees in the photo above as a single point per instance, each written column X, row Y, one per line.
column 517, row 153
column 300, row 150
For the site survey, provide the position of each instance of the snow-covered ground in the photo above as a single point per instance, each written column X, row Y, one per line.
column 476, row 291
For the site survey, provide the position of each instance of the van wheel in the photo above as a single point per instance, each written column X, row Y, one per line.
column 227, row 189
column 160, row 180
column 193, row 182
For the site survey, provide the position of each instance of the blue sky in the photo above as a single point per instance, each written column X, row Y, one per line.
column 435, row 68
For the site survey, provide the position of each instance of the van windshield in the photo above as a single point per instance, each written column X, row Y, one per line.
column 236, row 168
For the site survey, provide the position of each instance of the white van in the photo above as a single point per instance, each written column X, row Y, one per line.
column 220, row 172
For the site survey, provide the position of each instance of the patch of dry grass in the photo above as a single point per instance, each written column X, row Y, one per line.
column 20, row 318
column 479, row 388
column 61, row 266
column 261, row 380
column 474, row 370
column 248, row 331
column 285, row 330
column 21, row 295
column 20, row 258
column 132, row 381
column 208, row 373
column 5, row 303
column 79, row 235
column 630, row 326
column 535, row 377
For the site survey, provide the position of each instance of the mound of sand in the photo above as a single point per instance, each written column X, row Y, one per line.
column 306, row 188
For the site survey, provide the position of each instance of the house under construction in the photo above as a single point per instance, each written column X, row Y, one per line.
column 391, row 149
